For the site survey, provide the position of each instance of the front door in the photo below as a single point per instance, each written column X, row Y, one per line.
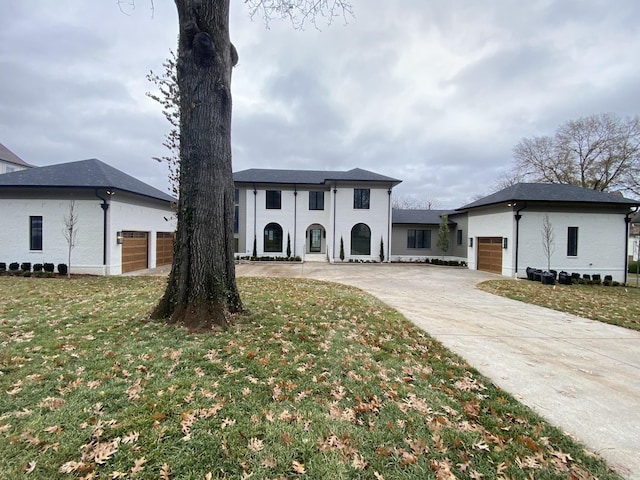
column 316, row 240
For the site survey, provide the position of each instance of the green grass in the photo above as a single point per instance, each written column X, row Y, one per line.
column 320, row 382
column 615, row 305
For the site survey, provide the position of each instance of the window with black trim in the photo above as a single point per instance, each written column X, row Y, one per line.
column 236, row 211
column 274, row 199
column 360, row 239
column 418, row 238
column 316, row 200
column 459, row 237
column 273, row 238
column 35, row 233
column 361, row 198
column 572, row 242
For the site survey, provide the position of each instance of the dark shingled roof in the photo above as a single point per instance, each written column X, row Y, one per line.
column 550, row 192
column 90, row 173
column 309, row 177
column 8, row 156
column 418, row 216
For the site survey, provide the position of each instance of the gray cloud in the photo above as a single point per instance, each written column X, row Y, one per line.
column 433, row 93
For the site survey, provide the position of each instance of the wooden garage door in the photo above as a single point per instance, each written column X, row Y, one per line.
column 135, row 251
column 490, row 254
column 164, row 248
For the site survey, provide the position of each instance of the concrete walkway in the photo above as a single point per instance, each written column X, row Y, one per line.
column 581, row 375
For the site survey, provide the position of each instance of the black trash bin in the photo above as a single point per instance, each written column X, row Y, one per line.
column 530, row 271
column 548, row 278
column 537, row 275
column 564, row 278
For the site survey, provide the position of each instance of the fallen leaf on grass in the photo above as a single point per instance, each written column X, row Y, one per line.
column 298, row 467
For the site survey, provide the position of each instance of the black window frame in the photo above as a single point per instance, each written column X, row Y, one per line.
column 361, row 198
column 273, row 199
column 419, row 238
column 35, row 232
column 572, row 241
column 359, row 241
column 459, row 237
column 316, row 200
column 273, row 245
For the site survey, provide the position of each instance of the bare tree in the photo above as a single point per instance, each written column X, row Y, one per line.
column 202, row 289
column 408, row 202
column 600, row 152
column 168, row 96
column 70, row 232
column 548, row 244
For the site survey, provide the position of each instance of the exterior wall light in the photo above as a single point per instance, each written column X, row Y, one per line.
column 470, row 242
column 504, row 243
column 119, row 238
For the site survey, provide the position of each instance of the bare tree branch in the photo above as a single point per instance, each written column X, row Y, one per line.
column 299, row 12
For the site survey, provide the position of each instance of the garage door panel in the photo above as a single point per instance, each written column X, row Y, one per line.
column 490, row 254
column 164, row 248
column 135, row 251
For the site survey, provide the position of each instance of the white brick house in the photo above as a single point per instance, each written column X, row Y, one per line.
column 590, row 230
column 316, row 211
column 10, row 162
column 123, row 223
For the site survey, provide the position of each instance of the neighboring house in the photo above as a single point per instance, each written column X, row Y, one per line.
column 123, row 223
column 589, row 230
column 316, row 210
column 634, row 238
column 10, row 162
column 415, row 235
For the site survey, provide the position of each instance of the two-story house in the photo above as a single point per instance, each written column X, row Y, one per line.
column 314, row 213
column 10, row 162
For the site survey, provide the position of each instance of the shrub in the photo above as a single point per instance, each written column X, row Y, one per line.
column 14, row 266
column 37, row 267
column 48, row 267
column 597, row 280
column 633, row 267
column 3, row 267
column 25, row 266
column 62, row 268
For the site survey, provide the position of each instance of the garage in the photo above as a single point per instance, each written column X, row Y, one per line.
column 164, row 248
column 135, row 251
column 490, row 254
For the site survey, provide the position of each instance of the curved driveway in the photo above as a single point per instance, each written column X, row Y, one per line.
column 581, row 375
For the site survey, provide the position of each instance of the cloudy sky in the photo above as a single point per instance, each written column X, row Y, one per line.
column 435, row 93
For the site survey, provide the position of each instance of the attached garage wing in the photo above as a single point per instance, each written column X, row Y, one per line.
column 490, row 254
column 135, row 251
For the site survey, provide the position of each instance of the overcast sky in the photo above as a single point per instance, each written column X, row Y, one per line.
column 435, row 93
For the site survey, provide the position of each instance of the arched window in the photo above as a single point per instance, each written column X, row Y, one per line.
column 273, row 238
column 360, row 239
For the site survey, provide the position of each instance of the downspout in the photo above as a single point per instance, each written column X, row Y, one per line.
column 389, row 225
column 105, row 206
column 627, row 221
column 295, row 218
column 255, row 224
column 335, row 195
column 517, row 216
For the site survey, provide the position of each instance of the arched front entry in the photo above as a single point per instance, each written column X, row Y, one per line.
column 316, row 239
column 360, row 239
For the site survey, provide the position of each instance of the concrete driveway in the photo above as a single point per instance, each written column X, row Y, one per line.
column 583, row 376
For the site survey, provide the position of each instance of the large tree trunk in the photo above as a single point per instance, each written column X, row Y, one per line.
column 202, row 290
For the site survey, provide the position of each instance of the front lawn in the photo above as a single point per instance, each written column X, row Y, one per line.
column 615, row 305
column 320, row 382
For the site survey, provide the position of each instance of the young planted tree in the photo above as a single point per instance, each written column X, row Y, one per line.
column 341, row 249
column 288, row 245
column 381, row 250
column 443, row 234
column 70, row 232
column 201, row 291
column 548, row 244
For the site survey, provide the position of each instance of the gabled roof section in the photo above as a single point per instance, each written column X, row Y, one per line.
column 309, row 177
column 550, row 192
column 90, row 173
column 422, row 217
column 10, row 157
